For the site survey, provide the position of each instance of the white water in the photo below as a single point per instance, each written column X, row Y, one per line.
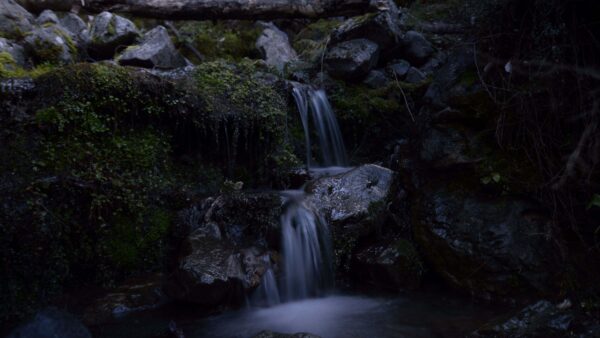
column 331, row 143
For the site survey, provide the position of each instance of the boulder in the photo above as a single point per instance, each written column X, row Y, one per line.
column 15, row 21
column 415, row 76
column 443, row 146
column 494, row 248
column 78, row 29
column 376, row 79
column 271, row 334
column 141, row 293
column 398, row 69
column 415, row 48
column 544, row 319
column 274, row 46
column 52, row 323
column 16, row 52
column 394, row 266
column 46, row 17
column 51, row 44
column 352, row 60
column 156, row 50
column 110, row 32
column 382, row 28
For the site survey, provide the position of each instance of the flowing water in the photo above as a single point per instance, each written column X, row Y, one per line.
column 300, row 297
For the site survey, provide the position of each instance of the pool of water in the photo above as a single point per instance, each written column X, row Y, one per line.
column 346, row 316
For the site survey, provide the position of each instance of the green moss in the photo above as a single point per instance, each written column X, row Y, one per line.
column 10, row 69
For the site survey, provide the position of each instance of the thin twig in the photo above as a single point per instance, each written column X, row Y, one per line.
column 412, row 117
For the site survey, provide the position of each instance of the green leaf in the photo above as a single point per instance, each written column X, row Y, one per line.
column 496, row 177
column 595, row 202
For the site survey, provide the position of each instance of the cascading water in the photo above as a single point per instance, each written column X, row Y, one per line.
column 331, row 144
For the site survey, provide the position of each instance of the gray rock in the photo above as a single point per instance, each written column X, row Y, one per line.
column 156, row 50
column 352, row 59
column 446, row 84
column 274, row 45
column 52, row 323
column 15, row 21
column 382, row 28
column 110, row 32
column 15, row 50
column 47, row 16
column 77, row 28
column 271, row 334
column 415, row 76
column 415, row 48
column 494, row 248
column 394, row 266
column 444, row 147
column 398, row 69
column 376, row 79
column 51, row 44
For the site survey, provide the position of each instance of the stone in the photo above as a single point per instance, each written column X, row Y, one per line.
column 398, row 69
column 46, row 17
column 352, row 59
column 110, row 32
column 445, row 147
column 78, row 29
column 493, row 248
column 51, row 44
column 415, row 76
column 271, row 334
column 15, row 21
column 16, row 51
column 275, row 48
column 415, row 48
column 51, row 323
column 376, row 79
column 394, row 266
column 156, row 50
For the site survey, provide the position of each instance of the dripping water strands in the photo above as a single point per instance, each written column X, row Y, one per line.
column 331, row 144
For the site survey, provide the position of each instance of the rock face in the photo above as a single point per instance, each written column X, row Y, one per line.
column 52, row 323
column 16, row 52
column 274, row 45
column 415, row 48
column 108, row 33
column 14, row 19
column 51, row 44
column 490, row 247
column 156, row 50
column 226, row 255
column 391, row 266
column 352, row 60
column 544, row 319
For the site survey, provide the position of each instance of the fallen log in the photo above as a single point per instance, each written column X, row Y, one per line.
column 214, row 9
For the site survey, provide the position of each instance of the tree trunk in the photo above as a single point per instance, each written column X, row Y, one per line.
column 214, row 9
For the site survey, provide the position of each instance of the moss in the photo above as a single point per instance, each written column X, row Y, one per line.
column 10, row 69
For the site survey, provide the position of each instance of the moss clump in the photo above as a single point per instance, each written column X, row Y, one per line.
column 10, row 69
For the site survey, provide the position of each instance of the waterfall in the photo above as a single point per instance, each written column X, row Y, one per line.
column 331, row 144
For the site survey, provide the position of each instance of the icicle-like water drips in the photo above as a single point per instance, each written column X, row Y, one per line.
column 331, row 144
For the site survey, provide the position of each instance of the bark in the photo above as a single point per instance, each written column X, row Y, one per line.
column 215, row 9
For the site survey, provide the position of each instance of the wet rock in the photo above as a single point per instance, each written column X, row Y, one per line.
column 274, row 46
column 393, row 266
column 353, row 201
column 15, row 21
column 47, row 16
column 51, row 44
column 398, row 69
column 415, row 48
column 214, row 272
column 446, row 146
column 494, row 248
column 52, row 323
column 352, row 59
column 415, row 76
column 142, row 293
column 446, row 81
column 271, row 334
column 544, row 319
column 376, row 79
column 382, row 28
column 16, row 52
column 156, row 50
column 110, row 32
column 78, row 29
